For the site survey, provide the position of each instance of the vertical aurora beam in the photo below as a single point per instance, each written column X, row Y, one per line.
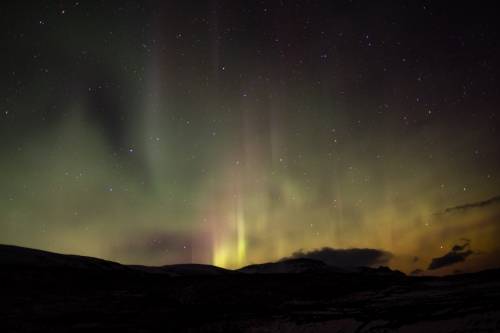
column 240, row 226
column 229, row 244
column 154, row 124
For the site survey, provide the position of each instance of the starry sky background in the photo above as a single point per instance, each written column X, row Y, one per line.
column 238, row 132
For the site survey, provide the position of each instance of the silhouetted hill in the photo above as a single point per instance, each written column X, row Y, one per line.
column 313, row 266
column 184, row 270
column 11, row 255
column 50, row 292
column 21, row 257
column 301, row 265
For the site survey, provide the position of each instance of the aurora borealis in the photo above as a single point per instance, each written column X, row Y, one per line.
column 238, row 132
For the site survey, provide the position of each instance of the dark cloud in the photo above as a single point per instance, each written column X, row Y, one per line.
column 457, row 254
column 478, row 204
column 418, row 271
column 346, row 257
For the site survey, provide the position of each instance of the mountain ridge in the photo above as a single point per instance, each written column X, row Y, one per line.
column 23, row 256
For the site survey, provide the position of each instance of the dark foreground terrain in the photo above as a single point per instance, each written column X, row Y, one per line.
column 48, row 292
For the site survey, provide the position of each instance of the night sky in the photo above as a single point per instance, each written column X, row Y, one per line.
column 238, row 132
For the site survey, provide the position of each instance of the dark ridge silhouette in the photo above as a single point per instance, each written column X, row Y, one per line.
column 50, row 292
column 184, row 269
column 11, row 255
column 299, row 265
column 417, row 271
